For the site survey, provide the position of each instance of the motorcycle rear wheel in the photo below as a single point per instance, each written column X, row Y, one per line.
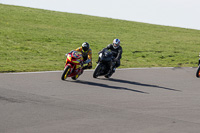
column 65, row 73
column 108, row 75
column 75, row 77
column 97, row 71
column 198, row 72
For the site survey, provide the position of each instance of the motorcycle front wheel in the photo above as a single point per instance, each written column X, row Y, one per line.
column 198, row 72
column 97, row 71
column 65, row 73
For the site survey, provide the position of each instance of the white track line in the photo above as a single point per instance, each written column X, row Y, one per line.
column 93, row 70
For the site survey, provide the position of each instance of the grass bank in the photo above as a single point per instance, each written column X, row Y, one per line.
column 37, row 40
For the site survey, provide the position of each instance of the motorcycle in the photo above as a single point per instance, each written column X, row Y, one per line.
column 73, row 66
column 104, row 64
column 198, row 69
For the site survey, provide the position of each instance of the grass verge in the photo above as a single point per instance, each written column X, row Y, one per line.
column 37, row 40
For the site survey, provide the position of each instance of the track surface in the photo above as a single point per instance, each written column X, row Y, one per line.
column 157, row 100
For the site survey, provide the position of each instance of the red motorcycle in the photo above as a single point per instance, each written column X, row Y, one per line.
column 73, row 66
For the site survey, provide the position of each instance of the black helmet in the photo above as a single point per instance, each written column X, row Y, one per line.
column 85, row 46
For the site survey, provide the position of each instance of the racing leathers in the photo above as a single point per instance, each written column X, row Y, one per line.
column 86, row 56
column 117, row 53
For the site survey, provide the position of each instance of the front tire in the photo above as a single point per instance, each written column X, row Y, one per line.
column 198, row 72
column 97, row 71
column 66, row 72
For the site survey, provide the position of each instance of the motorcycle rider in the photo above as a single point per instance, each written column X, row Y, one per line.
column 86, row 53
column 116, row 50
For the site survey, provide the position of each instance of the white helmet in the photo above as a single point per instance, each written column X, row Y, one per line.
column 116, row 43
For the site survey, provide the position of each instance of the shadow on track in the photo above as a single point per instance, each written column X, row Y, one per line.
column 105, row 86
column 137, row 83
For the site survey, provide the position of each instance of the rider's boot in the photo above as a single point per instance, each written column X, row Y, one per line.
column 85, row 67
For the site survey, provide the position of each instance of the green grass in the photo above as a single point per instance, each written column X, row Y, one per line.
column 37, row 40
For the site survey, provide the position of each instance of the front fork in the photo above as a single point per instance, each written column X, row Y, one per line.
column 71, row 66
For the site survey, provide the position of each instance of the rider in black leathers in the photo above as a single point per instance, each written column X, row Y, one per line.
column 116, row 50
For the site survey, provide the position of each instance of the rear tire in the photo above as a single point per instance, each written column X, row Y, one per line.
column 75, row 77
column 108, row 75
column 198, row 72
column 97, row 71
column 66, row 72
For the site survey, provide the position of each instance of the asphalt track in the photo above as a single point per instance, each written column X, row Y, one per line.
column 155, row 100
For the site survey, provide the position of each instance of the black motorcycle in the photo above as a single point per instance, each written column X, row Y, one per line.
column 198, row 69
column 104, row 64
